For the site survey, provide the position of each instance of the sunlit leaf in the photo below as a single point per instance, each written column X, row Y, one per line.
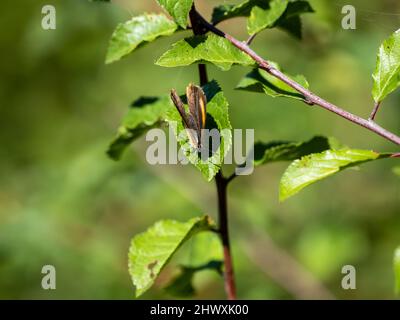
column 260, row 18
column 178, row 9
column 261, row 81
column 151, row 250
column 387, row 73
column 129, row 35
column 314, row 167
column 212, row 49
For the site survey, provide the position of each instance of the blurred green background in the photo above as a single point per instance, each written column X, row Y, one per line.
column 64, row 203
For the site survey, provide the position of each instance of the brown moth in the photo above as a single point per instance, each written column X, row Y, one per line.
column 194, row 120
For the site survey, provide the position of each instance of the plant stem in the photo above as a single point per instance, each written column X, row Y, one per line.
column 203, row 74
column 229, row 277
column 221, row 184
column 310, row 97
column 250, row 39
column 374, row 111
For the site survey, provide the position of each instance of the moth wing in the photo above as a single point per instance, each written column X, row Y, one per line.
column 197, row 105
column 188, row 120
column 181, row 109
column 201, row 115
column 193, row 137
column 202, row 110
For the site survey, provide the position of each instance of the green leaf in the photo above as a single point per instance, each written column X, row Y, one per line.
column 228, row 11
column 144, row 114
column 151, row 250
column 182, row 284
column 261, row 19
column 288, row 151
column 217, row 118
column 396, row 267
column 178, row 9
column 289, row 20
column 206, row 253
column 212, row 49
column 129, row 35
column 261, row 81
column 311, row 168
column 387, row 73
column 205, row 247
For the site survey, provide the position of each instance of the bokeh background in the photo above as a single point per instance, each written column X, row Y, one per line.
column 64, row 203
